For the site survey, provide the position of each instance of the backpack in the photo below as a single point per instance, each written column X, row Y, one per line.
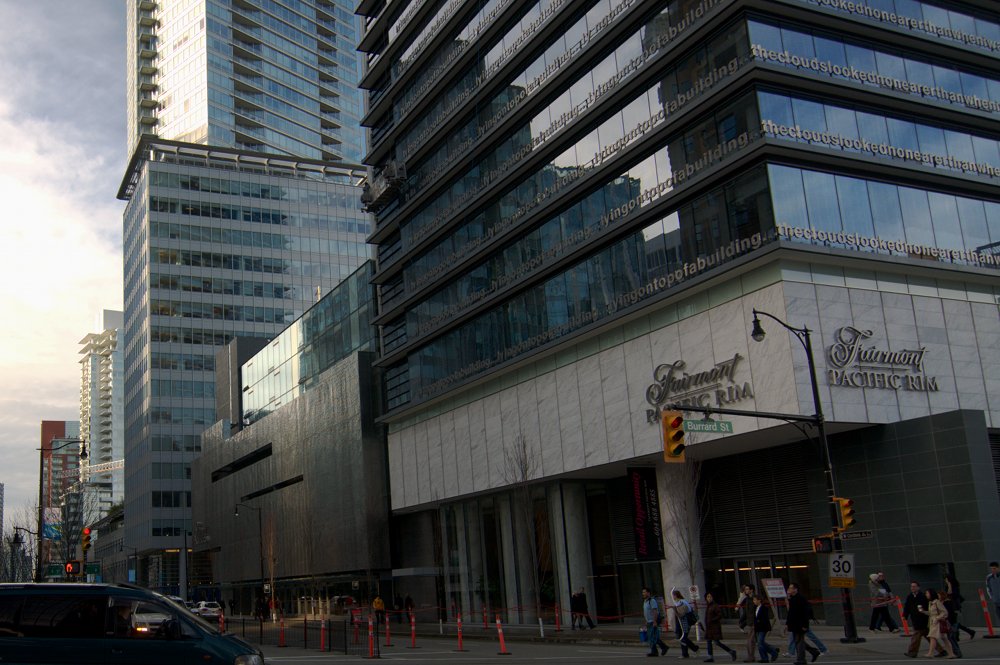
column 692, row 614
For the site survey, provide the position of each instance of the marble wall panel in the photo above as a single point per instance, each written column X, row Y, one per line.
column 435, row 459
column 449, row 453
column 527, row 415
column 570, row 417
column 595, row 435
column 548, row 423
column 639, row 365
column 617, row 419
column 463, row 450
column 477, row 437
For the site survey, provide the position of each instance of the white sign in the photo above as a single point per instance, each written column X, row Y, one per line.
column 693, row 592
column 774, row 587
column 842, row 566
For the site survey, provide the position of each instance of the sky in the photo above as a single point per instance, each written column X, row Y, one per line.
column 62, row 157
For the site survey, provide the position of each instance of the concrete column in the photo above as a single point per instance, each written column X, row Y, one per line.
column 571, row 539
column 512, row 570
column 676, row 485
column 476, row 569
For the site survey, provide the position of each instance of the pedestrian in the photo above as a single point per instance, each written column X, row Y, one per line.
column 914, row 611
column 397, row 608
column 687, row 618
column 797, row 623
column 232, row 607
column 408, row 606
column 584, row 609
column 761, row 627
column 378, row 606
column 993, row 588
column 881, row 598
column 938, row 627
column 745, row 614
column 574, row 608
column 953, row 612
column 652, row 613
column 954, row 591
column 713, row 628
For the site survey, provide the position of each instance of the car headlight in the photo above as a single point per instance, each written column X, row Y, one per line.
column 249, row 659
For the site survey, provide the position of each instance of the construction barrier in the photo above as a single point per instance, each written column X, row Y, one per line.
column 503, row 645
column 986, row 615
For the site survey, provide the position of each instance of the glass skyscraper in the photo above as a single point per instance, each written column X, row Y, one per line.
column 242, row 210
column 578, row 207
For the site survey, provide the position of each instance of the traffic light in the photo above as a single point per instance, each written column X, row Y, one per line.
column 823, row 544
column 73, row 568
column 85, row 538
column 673, row 436
column 846, row 508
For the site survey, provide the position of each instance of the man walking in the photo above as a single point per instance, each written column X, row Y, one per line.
column 652, row 613
column 584, row 609
column 993, row 587
column 915, row 610
column 797, row 623
column 746, row 612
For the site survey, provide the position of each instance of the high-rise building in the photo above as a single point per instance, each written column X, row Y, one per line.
column 102, row 421
column 579, row 205
column 242, row 210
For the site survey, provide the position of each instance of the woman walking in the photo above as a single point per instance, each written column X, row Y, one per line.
column 686, row 620
column 936, row 632
column 713, row 628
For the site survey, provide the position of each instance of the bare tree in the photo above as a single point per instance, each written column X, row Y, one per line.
column 520, row 467
column 686, row 510
column 18, row 563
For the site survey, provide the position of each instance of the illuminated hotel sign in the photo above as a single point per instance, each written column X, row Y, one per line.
column 712, row 387
column 852, row 364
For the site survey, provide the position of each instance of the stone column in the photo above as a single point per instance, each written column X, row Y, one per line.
column 676, row 486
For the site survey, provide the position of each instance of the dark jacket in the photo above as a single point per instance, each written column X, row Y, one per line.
column 761, row 619
column 745, row 611
column 713, row 621
column 799, row 613
column 912, row 614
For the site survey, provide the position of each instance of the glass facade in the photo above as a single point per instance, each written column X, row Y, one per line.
column 241, row 251
column 332, row 329
column 588, row 163
column 259, row 75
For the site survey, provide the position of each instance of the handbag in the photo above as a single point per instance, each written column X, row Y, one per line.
column 643, row 635
column 944, row 626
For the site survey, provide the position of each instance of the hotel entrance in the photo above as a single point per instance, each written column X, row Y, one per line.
column 727, row 578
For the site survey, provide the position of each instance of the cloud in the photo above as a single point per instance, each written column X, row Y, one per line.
column 62, row 156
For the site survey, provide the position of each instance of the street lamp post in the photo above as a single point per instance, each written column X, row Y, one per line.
column 803, row 334
column 41, row 491
column 15, row 544
column 260, row 541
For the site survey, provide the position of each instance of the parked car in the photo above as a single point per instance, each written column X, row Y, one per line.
column 98, row 624
column 208, row 609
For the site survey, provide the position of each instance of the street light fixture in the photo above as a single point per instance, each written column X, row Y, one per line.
column 803, row 334
column 15, row 544
column 260, row 541
column 41, row 491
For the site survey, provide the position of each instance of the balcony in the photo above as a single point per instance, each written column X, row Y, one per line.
column 149, row 83
column 148, row 101
column 146, row 19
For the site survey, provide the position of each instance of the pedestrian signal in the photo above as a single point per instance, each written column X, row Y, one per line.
column 73, row 568
column 85, row 538
column 846, row 507
column 673, row 436
column 823, row 544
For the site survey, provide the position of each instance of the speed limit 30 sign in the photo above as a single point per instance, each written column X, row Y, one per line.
column 842, row 571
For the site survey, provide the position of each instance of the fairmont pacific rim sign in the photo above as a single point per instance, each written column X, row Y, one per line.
column 852, row 363
column 712, row 386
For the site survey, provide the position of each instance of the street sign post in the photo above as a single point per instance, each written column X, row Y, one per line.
column 709, row 426
column 54, row 570
column 855, row 535
column 842, row 571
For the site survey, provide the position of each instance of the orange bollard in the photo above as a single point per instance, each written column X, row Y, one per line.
column 413, row 632
column 503, row 646
column 371, row 637
column 485, row 624
column 460, row 634
column 558, row 629
column 281, row 634
column 986, row 614
column 222, row 623
column 322, row 635
column 388, row 631
column 902, row 619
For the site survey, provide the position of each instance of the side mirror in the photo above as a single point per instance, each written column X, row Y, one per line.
column 172, row 629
